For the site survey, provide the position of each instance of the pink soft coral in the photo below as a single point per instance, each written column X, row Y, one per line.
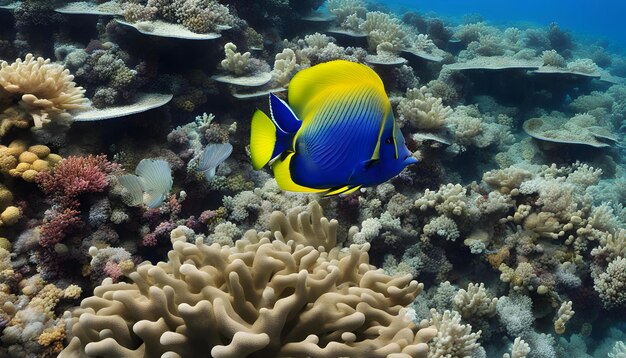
column 74, row 176
column 56, row 225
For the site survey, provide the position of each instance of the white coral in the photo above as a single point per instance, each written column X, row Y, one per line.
column 453, row 338
column 422, row 110
column 235, row 62
column 284, row 64
column 475, row 302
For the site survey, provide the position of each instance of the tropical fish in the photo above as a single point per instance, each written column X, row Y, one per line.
column 336, row 135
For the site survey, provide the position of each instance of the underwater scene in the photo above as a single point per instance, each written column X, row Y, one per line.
column 312, row 178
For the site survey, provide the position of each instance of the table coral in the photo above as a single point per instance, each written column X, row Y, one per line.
column 261, row 295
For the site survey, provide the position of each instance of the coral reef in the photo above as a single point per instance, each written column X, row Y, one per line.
column 263, row 296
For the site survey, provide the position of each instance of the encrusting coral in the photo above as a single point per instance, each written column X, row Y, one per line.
column 263, row 296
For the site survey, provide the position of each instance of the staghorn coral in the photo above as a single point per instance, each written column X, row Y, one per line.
column 263, row 296
column 43, row 90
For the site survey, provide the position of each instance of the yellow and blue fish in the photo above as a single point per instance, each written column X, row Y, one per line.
column 336, row 135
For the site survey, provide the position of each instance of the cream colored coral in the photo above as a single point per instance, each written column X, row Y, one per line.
column 611, row 246
column 422, row 110
column 235, row 62
column 564, row 314
column 474, row 302
column 381, row 27
column 453, row 339
column 262, row 296
column 450, row 199
column 284, row 64
column 519, row 349
column 46, row 91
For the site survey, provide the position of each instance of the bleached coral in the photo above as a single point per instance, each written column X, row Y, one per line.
column 453, row 339
column 342, row 9
column 235, row 62
column 204, row 299
column 450, row 199
column 441, row 226
column 553, row 58
column 43, row 90
column 381, row 27
column 611, row 284
column 475, row 302
column 519, row 349
column 284, row 64
column 584, row 65
column 421, row 110
column 563, row 315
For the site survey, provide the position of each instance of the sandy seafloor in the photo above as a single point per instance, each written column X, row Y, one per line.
column 507, row 238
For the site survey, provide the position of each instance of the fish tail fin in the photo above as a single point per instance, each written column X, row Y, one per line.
column 267, row 139
column 282, row 173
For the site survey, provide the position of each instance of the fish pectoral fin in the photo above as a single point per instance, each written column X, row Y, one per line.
column 366, row 165
column 283, row 116
column 343, row 190
column 282, row 173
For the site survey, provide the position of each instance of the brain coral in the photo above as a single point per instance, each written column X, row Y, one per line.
column 262, row 297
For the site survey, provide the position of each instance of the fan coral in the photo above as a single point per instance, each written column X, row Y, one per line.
column 45, row 91
column 270, row 297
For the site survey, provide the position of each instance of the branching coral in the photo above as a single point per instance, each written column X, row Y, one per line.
column 611, row 284
column 453, row 339
column 259, row 296
column 284, row 64
column 420, row 109
column 475, row 301
column 44, row 91
column 564, row 314
column 235, row 62
column 381, row 27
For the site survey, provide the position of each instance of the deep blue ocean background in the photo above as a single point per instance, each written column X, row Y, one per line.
column 596, row 20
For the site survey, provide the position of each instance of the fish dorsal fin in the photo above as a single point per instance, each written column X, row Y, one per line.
column 308, row 87
column 283, row 116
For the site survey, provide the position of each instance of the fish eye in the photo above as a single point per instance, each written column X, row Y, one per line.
column 389, row 140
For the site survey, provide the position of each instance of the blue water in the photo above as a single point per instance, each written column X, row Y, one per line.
column 597, row 19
